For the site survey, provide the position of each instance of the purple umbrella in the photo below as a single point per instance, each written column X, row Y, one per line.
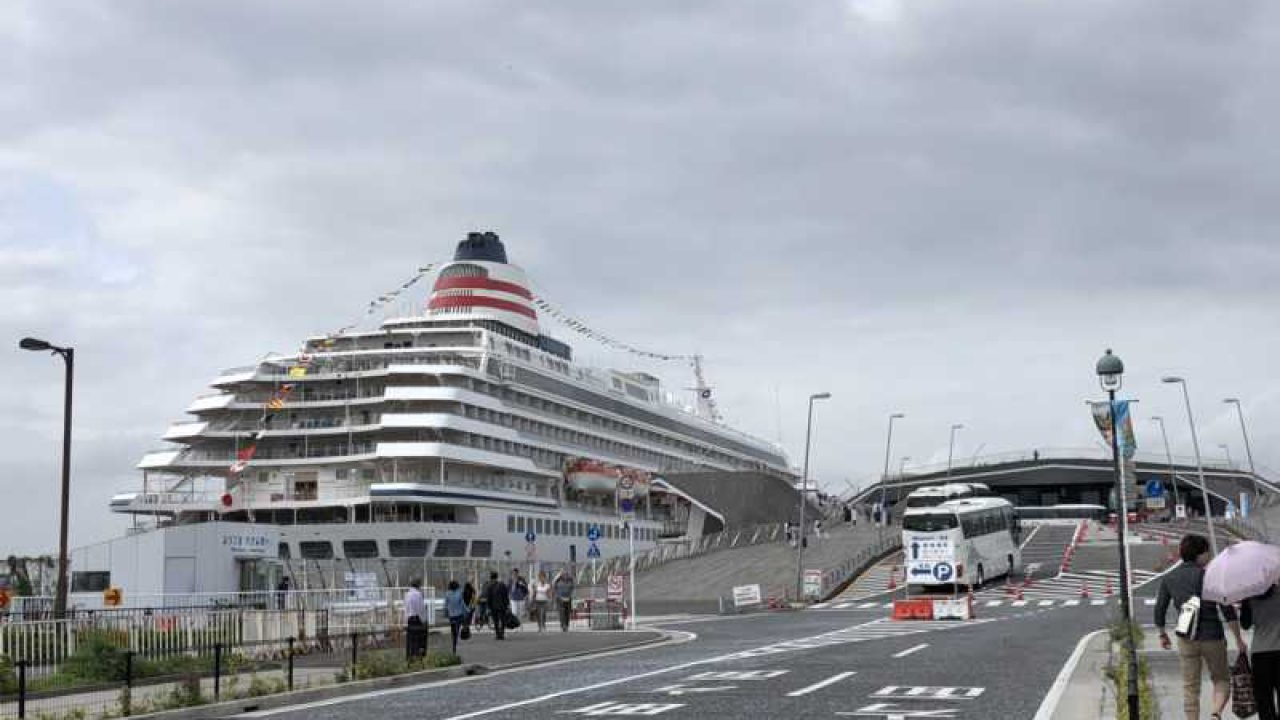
column 1243, row 570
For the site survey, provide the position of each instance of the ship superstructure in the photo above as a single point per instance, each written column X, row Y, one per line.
column 457, row 434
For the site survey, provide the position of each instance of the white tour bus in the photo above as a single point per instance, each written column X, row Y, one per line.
column 933, row 495
column 961, row 542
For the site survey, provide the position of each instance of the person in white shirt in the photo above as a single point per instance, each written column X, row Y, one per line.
column 415, row 620
column 541, row 598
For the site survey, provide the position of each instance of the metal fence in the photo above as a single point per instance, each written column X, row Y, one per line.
column 113, row 679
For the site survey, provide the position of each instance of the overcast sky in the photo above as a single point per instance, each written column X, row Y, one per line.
column 943, row 209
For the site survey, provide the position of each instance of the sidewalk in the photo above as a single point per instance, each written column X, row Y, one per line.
column 1089, row 695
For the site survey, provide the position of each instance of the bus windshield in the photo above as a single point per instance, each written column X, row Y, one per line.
column 919, row 501
column 930, row 522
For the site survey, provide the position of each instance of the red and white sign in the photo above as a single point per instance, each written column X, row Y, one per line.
column 617, row 587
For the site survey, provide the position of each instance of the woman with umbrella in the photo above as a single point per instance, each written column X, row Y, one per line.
column 1248, row 572
column 1205, row 643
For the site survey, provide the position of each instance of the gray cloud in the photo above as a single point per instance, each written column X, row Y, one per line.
column 944, row 209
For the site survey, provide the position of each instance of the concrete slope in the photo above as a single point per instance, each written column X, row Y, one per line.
column 696, row 583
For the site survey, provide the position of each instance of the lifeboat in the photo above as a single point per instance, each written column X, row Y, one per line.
column 591, row 476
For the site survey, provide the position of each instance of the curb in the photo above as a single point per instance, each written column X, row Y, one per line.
column 1053, row 698
column 269, row 702
column 663, row 637
column 424, row 678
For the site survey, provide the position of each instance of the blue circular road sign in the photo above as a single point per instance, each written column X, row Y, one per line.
column 593, row 533
column 530, row 537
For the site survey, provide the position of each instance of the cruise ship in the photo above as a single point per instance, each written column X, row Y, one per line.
column 462, row 434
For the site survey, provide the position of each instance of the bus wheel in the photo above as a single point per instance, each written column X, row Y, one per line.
column 1010, row 573
column 982, row 577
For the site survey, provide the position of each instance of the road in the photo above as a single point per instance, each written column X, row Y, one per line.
column 817, row 663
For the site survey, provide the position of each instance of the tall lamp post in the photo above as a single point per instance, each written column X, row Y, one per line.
column 884, row 479
column 804, row 492
column 1173, row 475
column 951, row 451
column 1253, row 470
column 1195, row 443
column 1226, row 451
column 68, row 358
column 1110, row 374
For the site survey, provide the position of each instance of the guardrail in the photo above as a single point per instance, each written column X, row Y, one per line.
column 835, row 578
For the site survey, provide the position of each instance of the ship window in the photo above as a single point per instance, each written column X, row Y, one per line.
column 316, row 550
column 540, row 525
column 413, row 547
column 511, row 523
column 282, row 551
column 93, row 581
column 555, row 527
column 356, row 549
column 481, row 548
column 520, row 524
column 451, row 547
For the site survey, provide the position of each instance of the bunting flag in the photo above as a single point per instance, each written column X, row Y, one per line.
column 302, row 366
column 588, row 332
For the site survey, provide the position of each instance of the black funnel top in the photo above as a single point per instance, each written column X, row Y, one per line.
column 483, row 246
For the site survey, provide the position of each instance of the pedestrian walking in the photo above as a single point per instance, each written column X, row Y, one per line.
column 282, row 593
column 456, row 608
column 541, row 599
column 469, row 597
column 498, row 599
column 415, row 620
column 817, row 529
column 1262, row 615
column 563, row 589
column 1201, row 640
column 519, row 593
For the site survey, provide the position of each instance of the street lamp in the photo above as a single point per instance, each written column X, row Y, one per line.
column 884, row 478
column 1195, row 443
column 1253, row 470
column 952, row 450
column 68, row 358
column 1110, row 371
column 1226, row 450
column 804, row 491
column 1173, row 475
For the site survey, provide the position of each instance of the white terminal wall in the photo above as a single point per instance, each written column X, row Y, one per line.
column 199, row 558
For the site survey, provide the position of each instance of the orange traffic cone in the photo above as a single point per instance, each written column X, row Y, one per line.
column 1019, row 595
column 893, row 579
column 1109, row 591
column 1084, row 589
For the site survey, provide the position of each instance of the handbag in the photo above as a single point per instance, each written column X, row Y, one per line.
column 513, row 622
column 465, row 632
column 1242, row 700
column 1188, row 618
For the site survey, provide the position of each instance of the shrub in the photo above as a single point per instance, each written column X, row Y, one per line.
column 99, row 657
column 8, row 677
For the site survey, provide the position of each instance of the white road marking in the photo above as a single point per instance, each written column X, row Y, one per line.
column 1149, row 601
column 1097, row 602
column 1071, row 603
column 909, row 651
column 1046, row 603
column 928, row 692
column 842, row 606
column 617, row 708
column 867, row 606
column 819, row 685
column 995, row 603
column 889, row 711
column 1018, row 603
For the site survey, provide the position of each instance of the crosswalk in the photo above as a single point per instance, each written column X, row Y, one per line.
column 873, row 582
column 978, row 604
column 1068, row 585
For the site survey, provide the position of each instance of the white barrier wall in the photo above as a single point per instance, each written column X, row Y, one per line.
column 180, row 560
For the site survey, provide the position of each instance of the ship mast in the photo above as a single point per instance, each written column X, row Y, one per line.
column 706, row 403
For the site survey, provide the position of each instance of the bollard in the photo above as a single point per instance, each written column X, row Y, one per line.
column 126, row 707
column 289, row 667
column 22, row 688
column 354, row 650
column 217, row 671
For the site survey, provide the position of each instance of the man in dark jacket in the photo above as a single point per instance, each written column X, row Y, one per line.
column 1206, row 644
column 498, row 598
